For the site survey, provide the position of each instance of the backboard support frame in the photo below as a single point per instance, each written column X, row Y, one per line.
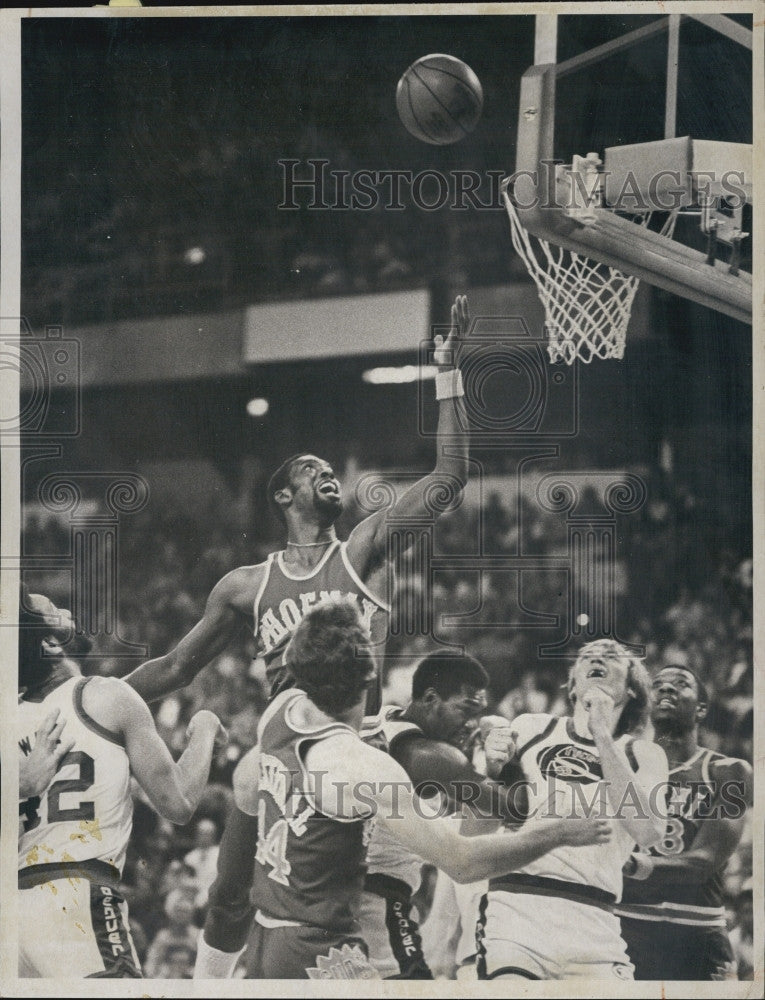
column 612, row 239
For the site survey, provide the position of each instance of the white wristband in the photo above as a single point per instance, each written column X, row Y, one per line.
column 643, row 866
column 449, row 384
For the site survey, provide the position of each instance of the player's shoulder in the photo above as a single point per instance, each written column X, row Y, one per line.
column 244, row 577
column 239, row 587
column 97, row 689
column 110, row 703
column 529, row 725
column 346, row 760
column 644, row 751
column 341, row 747
column 726, row 768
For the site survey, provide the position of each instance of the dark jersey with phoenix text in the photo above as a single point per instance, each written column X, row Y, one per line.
column 284, row 599
column 310, row 867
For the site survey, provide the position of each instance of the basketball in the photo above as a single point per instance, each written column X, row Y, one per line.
column 439, row 99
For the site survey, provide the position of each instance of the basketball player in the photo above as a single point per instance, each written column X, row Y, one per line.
column 553, row 918
column 271, row 598
column 672, row 912
column 41, row 619
column 316, row 788
column 448, row 692
column 73, row 838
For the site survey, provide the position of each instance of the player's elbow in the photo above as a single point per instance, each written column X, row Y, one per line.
column 461, row 866
column 178, row 810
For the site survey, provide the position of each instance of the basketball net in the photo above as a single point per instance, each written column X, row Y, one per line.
column 587, row 303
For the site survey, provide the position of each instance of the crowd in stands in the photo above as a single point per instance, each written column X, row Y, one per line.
column 169, row 563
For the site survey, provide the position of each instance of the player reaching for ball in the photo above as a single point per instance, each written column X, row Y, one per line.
column 554, row 918
column 316, row 788
column 672, row 912
column 271, row 599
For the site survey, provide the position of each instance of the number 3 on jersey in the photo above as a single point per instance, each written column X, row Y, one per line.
column 272, row 847
column 671, row 843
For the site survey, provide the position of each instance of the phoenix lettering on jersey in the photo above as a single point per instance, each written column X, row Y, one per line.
column 688, row 800
column 277, row 624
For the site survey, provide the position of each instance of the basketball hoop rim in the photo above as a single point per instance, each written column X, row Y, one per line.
column 666, row 264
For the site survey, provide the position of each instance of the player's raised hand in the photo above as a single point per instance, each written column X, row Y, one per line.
column 59, row 619
column 208, row 721
column 581, row 831
column 37, row 770
column 447, row 349
column 599, row 705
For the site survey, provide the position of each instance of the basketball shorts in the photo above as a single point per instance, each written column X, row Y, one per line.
column 278, row 950
column 549, row 937
column 73, row 925
column 392, row 936
column 663, row 950
column 468, row 896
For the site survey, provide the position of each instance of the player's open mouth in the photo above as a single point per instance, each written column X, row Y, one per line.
column 666, row 703
column 596, row 672
column 330, row 490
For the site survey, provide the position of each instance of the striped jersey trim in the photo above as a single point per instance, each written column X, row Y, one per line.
column 538, row 738
column 387, row 886
column 674, row 913
column 270, row 922
column 537, row 885
column 630, row 753
column 688, row 763
column 261, row 590
column 331, row 549
column 89, row 721
column 359, row 582
column 91, row 869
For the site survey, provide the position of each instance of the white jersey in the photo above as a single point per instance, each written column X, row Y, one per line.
column 385, row 854
column 86, row 814
column 563, row 767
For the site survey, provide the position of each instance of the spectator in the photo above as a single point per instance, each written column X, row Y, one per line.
column 179, row 933
column 203, row 859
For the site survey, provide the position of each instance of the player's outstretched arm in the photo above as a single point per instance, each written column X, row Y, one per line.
column 469, row 859
column 37, row 770
column 222, row 620
column 447, row 480
column 719, row 834
column 445, row 767
column 246, row 781
column 370, row 780
column 174, row 789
